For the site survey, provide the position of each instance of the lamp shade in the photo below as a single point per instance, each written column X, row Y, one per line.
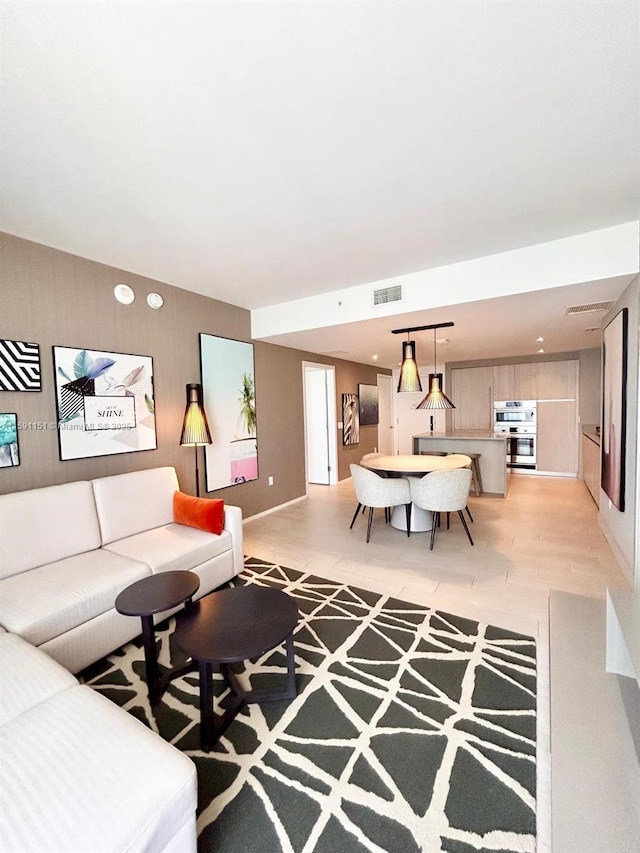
column 435, row 399
column 409, row 376
column 195, row 429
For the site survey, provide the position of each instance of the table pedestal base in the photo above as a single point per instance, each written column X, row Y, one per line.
column 212, row 725
column 421, row 519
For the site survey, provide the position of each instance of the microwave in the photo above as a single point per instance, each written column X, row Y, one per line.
column 514, row 413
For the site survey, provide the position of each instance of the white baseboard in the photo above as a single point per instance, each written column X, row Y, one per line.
column 274, row 509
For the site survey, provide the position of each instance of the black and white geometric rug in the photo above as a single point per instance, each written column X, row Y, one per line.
column 413, row 730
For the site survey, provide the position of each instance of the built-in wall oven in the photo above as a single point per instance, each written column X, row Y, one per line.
column 516, row 421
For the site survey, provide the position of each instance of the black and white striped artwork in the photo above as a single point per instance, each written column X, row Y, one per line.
column 350, row 419
column 19, row 366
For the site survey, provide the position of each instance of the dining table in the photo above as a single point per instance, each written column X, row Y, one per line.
column 413, row 465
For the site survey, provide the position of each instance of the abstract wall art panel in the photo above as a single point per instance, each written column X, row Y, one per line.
column 614, row 408
column 228, row 389
column 19, row 366
column 350, row 419
column 105, row 402
column 9, row 453
column 368, row 402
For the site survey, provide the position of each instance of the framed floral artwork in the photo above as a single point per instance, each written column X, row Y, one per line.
column 105, row 402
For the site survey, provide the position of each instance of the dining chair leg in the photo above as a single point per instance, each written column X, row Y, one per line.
column 387, row 515
column 466, row 526
column 434, row 524
column 355, row 515
column 408, row 509
column 448, row 520
column 370, row 522
column 469, row 513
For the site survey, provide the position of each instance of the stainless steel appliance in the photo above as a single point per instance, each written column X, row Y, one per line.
column 516, row 421
column 514, row 413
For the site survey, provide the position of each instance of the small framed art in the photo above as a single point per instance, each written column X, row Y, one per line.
column 9, row 451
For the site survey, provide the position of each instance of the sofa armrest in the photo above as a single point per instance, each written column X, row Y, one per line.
column 233, row 523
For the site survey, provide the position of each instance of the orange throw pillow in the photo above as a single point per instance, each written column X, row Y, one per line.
column 202, row 513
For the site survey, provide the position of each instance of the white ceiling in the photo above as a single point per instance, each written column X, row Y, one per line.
column 258, row 152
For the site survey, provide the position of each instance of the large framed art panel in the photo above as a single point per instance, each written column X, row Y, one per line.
column 105, row 402
column 368, row 404
column 614, row 407
column 228, row 388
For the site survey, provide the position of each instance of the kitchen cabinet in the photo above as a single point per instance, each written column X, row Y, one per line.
column 503, row 382
column 525, row 381
column 591, row 466
column 556, row 380
column 471, row 393
column 557, row 437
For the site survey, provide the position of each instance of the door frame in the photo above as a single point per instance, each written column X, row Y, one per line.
column 332, row 419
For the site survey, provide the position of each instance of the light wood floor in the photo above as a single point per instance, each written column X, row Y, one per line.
column 543, row 537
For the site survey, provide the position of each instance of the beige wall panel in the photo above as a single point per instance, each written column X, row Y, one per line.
column 54, row 298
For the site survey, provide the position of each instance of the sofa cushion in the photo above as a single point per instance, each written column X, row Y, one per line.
column 45, row 525
column 79, row 774
column 172, row 547
column 202, row 513
column 55, row 598
column 28, row 677
column 132, row 503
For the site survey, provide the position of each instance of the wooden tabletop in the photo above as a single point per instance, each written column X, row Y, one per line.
column 413, row 464
column 236, row 624
column 157, row 593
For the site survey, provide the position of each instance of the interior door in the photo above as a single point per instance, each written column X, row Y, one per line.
column 316, row 425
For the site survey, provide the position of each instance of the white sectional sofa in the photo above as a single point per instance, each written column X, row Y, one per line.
column 77, row 773
column 67, row 551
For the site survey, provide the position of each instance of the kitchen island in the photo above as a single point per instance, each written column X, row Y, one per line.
column 492, row 461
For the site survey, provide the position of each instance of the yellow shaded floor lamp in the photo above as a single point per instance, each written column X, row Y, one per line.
column 195, row 429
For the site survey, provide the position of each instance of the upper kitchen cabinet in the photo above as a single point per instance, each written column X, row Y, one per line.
column 525, row 381
column 472, row 394
column 504, row 382
column 556, row 380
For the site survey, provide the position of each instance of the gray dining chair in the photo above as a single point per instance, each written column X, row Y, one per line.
column 442, row 491
column 376, row 492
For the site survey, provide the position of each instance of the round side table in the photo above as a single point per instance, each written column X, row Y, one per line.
column 147, row 597
column 230, row 626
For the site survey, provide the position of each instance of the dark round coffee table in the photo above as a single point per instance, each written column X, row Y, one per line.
column 234, row 625
column 146, row 597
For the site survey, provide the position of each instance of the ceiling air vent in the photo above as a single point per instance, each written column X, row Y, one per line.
column 384, row 295
column 590, row 306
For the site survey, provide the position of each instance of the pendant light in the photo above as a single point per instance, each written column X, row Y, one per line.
column 436, row 398
column 409, row 376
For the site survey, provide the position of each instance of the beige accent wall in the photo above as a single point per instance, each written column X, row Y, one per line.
column 54, row 298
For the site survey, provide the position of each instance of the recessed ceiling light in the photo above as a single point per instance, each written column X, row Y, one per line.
column 539, row 340
column 374, row 357
column 154, row 300
column 540, row 350
column 124, row 294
